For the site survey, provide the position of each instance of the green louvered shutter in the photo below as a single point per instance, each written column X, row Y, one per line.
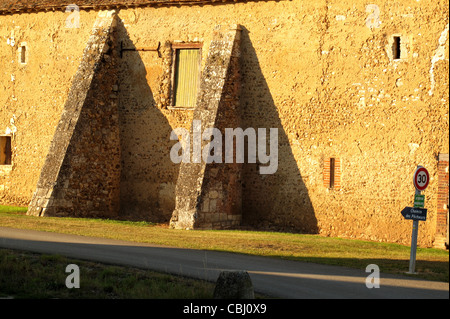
column 186, row 77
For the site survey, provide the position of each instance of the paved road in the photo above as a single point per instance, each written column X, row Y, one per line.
column 275, row 277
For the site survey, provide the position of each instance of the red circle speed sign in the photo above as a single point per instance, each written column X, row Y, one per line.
column 421, row 178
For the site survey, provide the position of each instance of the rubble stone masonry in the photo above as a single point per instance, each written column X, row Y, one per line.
column 354, row 86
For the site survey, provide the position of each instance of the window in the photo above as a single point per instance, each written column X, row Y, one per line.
column 332, row 173
column 186, row 74
column 5, row 150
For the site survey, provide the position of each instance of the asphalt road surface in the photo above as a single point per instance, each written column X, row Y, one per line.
column 274, row 277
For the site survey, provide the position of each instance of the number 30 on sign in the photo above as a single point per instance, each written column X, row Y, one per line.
column 421, row 178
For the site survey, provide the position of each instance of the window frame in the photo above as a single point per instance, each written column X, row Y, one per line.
column 175, row 47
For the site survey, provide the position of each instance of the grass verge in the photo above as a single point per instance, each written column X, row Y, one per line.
column 432, row 264
column 42, row 276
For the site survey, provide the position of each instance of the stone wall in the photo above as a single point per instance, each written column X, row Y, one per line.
column 321, row 72
column 33, row 94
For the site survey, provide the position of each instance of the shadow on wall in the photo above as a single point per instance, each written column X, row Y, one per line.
column 148, row 176
column 279, row 201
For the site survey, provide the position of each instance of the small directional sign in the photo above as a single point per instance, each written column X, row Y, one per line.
column 419, row 200
column 415, row 213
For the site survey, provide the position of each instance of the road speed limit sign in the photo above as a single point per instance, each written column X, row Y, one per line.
column 421, row 178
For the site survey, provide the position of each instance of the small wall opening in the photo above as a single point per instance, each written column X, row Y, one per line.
column 5, row 150
column 23, row 54
column 396, row 48
column 332, row 172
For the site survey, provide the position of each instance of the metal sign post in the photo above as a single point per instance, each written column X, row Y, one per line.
column 421, row 179
column 415, row 232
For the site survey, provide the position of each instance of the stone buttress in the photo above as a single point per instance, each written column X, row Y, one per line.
column 209, row 195
column 81, row 173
